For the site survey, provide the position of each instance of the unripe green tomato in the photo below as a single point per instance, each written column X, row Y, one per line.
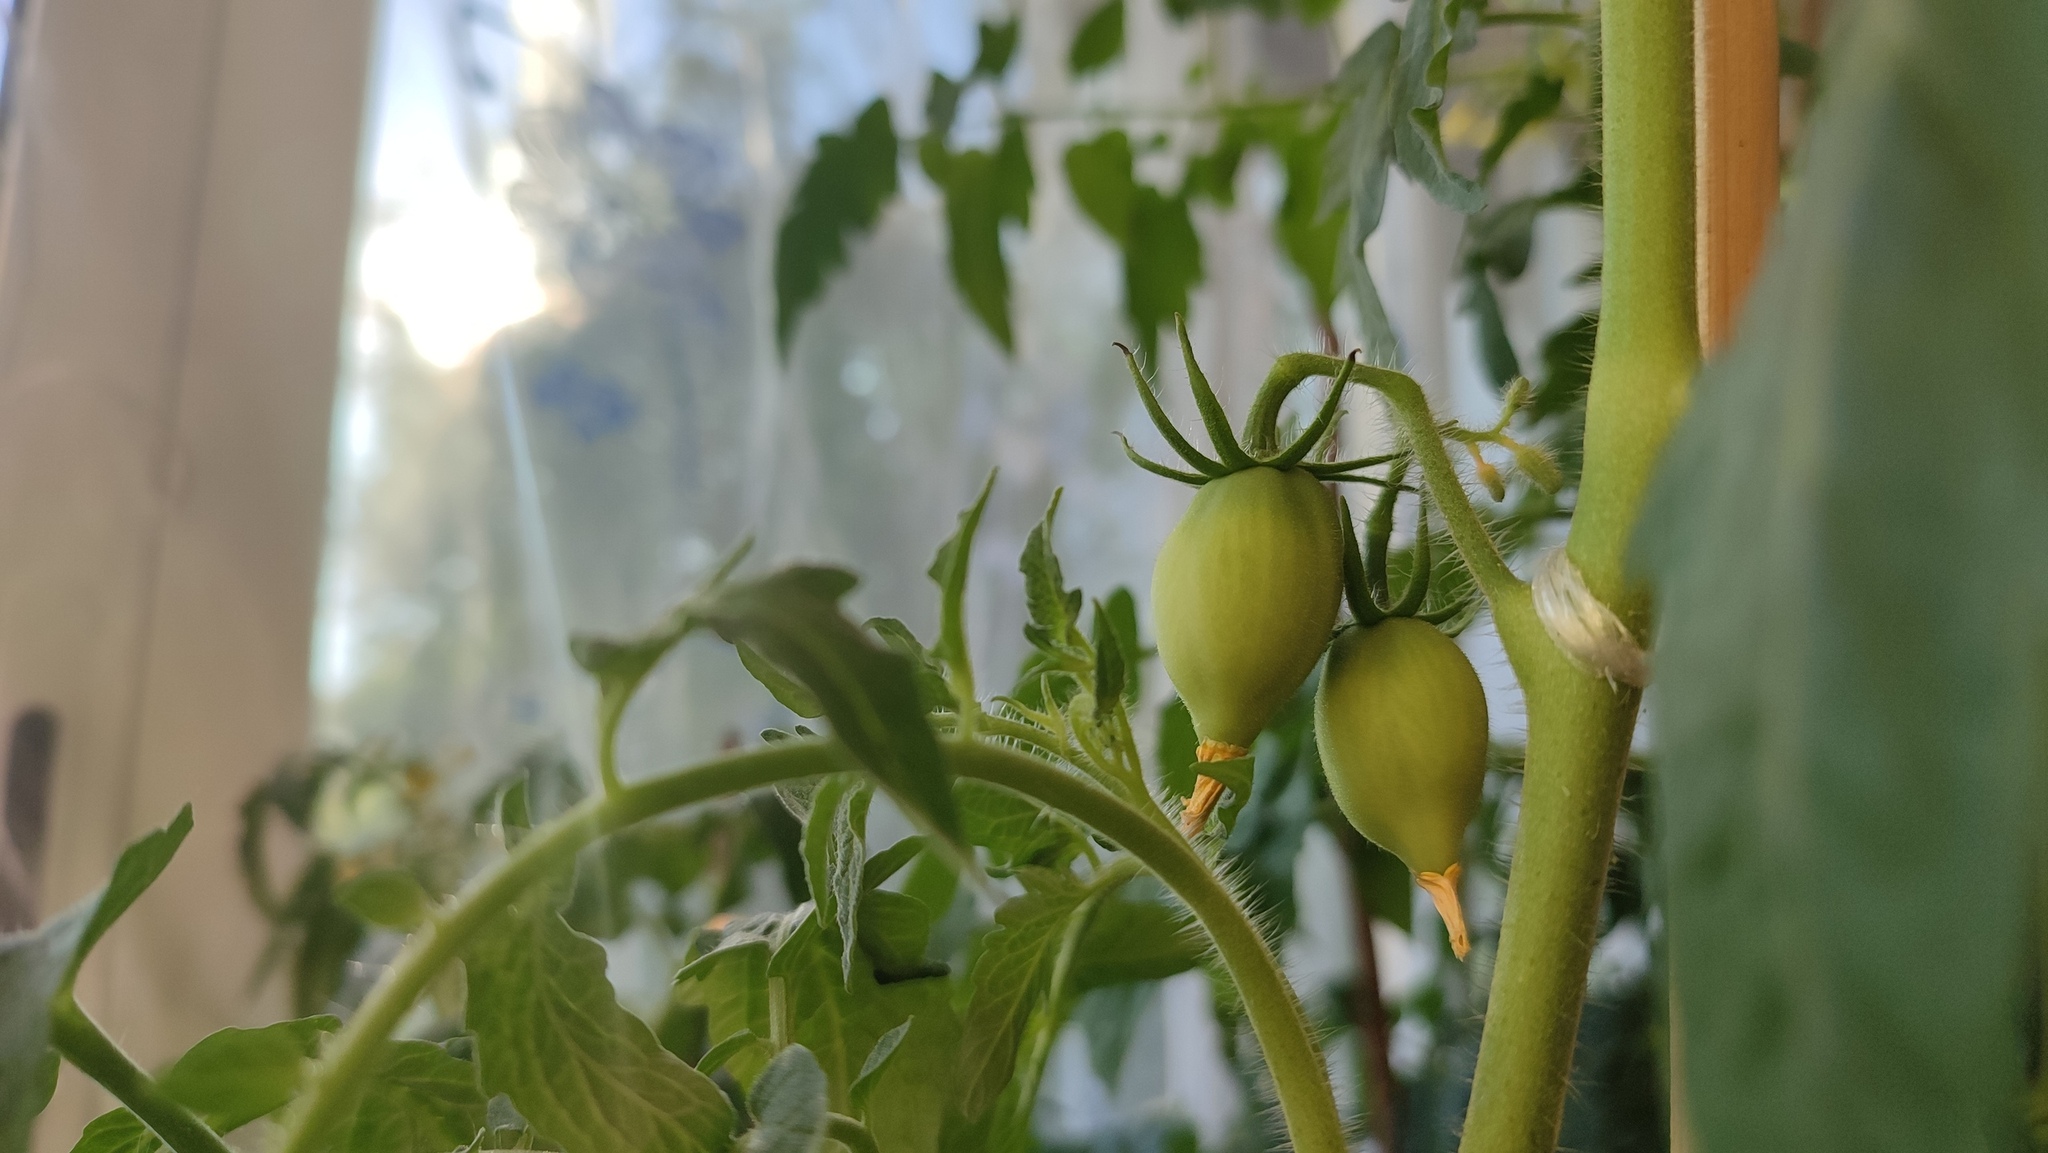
column 1401, row 725
column 1244, row 595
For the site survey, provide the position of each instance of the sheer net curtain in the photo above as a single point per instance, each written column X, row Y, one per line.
column 561, row 397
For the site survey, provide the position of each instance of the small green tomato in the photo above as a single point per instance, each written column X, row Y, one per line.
column 1244, row 596
column 1245, row 591
column 1401, row 725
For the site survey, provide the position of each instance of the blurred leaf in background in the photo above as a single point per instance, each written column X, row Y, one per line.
column 1851, row 546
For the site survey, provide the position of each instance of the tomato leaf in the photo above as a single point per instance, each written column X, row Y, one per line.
column 984, row 190
column 39, row 966
column 1099, row 41
column 950, row 570
column 588, row 1074
column 1009, row 979
column 1418, row 141
column 1162, row 263
column 788, row 1103
column 840, row 196
column 1851, row 555
column 1130, row 940
column 1312, row 242
column 1053, row 609
column 1016, row 831
column 1100, row 173
column 780, row 685
column 870, row 694
column 1177, row 746
column 878, row 1060
column 1538, row 101
column 420, row 1097
column 120, row 1131
column 1355, row 165
column 234, row 1076
column 391, row 898
column 835, row 857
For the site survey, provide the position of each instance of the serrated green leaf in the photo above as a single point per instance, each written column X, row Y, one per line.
column 39, row 966
column 1538, row 101
column 877, row 1060
column 731, row 983
column 788, row 1103
column 985, row 190
column 1418, row 141
column 895, row 930
column 950, row 570
column 1123, row 620
column 421, row 1098
column 840, row 196
column 1009, row 978
column 1099, row 173
column 1110, row 669
column 835, row 857
column 715, row 1058
column 550, row 1036
column 1048, row 604
column 120, row 1132
column 941, row 105
column 32, row 970
column 1162, row 263
column 1015, row 831
column 1177, row 748
column 1212, row 175
column 1851, row 555
column 138, row 867
column 234, row 1076
column 998, row 45
column 789, row 694
column 391, row 898
column 869, row 693
column 1099, row 40
column 890, row 861
column 1311, row 239
column 1496, row 352
column 1361, row 148
column 932, row 688
column 1108, row 1017
column 1135, row 941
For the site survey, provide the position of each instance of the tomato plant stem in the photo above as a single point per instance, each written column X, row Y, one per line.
column 1579, row 725
column 82, row 1043
column 1300, row 1077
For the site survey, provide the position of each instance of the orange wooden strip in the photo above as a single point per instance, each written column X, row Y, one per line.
column 1735, row 104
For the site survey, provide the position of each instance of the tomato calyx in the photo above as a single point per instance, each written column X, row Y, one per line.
column 1235, row 453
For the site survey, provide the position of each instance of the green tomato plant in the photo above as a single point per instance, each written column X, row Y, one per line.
column 842, row 1024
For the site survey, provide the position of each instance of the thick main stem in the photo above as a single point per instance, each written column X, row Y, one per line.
column 1579, row 725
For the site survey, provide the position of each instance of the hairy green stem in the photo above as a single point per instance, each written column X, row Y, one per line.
column 1579, row 725
column 81, row 1042
column 1300, row 1077
column 1507, row 593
